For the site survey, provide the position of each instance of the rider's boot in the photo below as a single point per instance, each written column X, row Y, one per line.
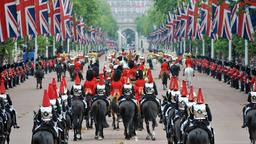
column 244, row 119
column 14, row 122
column 212, row 138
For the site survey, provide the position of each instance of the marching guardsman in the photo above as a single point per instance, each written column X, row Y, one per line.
column 251, row 105
column 200, row 114
column 8, row 104
column 219, row 71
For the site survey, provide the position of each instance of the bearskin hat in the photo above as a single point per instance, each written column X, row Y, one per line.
column 89, row 75
column 117, row 75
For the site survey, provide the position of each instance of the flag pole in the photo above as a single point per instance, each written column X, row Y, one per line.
column 46, row 47
column 212, row 48
column 36, row 49
column 68, row 45
column 16, row 50
column 246, row 52
column 229, row 50
column 203, row 47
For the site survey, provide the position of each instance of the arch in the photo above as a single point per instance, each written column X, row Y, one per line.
column 127, row 26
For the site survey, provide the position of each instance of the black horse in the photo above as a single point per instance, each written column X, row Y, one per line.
column 127, row 112
column 149, row 112
column 165, row 77
column 177, row 136
column 198, row 136
column 2, row 131
column 98, row 111
column 169, row 114
column 77, row 110
column 43, row 137
column 9, row 124
column 251, row 117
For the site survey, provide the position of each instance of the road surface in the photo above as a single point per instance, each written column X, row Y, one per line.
column 225, row 102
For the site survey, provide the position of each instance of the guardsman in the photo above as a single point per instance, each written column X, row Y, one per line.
column 164, row 68
column 139, row 85
column 219, row 71
column 89, row 84
column 251, row 105
column 116, row 85
column 200, row 114
column 241, row 78
column 8, row 104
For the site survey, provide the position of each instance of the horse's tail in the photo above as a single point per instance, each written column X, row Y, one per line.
column 150, row 112
column 100, row 114
column 198, row 136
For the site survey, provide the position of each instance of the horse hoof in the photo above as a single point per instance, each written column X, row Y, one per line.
column 78, row 136
column 153, row 138
column 148, row 138
column 74, row 139
column 100, row 138
column 96, row 137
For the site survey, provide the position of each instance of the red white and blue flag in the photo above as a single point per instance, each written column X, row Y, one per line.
column 80, row 30
column 41, row 13
column 205, row 16
column 224, row 25
column 65, row 14
column 8, row 20
column 192, row 26
column 54, row 16
column 26, row 17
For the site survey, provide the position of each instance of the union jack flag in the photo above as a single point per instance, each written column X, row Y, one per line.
column 184, row 22
column 65, row 14
column 26, row 17
column 80, row 30
column 193, row 13
column 224, row 26
column 41, row 12
column 54, row 16
column 214, row 20
column 243, row 21
column 8, row 20
column 205, row 16
column 74, row 20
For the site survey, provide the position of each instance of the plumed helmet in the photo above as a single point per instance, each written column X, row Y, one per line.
column 127, row 88
column 101, row 86
column 149, row 88
column 46, row 108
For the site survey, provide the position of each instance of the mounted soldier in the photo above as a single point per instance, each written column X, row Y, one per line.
column 201, row 117
column 8, row 104
column 250, row 106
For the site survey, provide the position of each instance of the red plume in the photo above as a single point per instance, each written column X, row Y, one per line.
column 191, row 94
column 61, row 87
column 51, row 91
column 200, row 97
column 175, row 84
column 2, row 87
column 46, row 100
column 184, row 91
column 77, row 80
column 101, row 82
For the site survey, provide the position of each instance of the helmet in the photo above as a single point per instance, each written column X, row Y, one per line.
column 127, row 87
column 101, row 86
column 77, row 90
column 149, row 88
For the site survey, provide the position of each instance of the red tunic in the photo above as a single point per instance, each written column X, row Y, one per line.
column 141, row 67
column 138, row 88
column 89, row 87
column 116, row 88
column 164, row 67
column 132, row 73
column 77, row 66
column 189, row 62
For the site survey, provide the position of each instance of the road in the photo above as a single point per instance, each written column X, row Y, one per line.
column 225, row 102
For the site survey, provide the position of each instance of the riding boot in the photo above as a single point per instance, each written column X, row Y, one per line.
column 14, row 122
column 244, row 119
column 212, row 138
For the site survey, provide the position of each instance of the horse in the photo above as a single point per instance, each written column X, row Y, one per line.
column 189, row 73
column 165, row 77
column 9, row 124
column 198, row 136
column 177, row 122
column 127, row 111
column 98, row 111
column 2, row 135
column 251, row 117
column 150, row 111
column 115, row 113
column 88, row 117
column 168, row 115
column 43, row 137
column 77, row 110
